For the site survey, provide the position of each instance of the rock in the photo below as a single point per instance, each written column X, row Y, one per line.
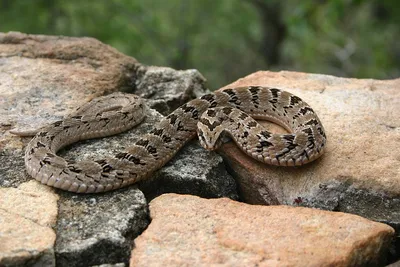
column 46, row 69
column 360, row 171
column 192, row 171
column 396, row 264
column 191, row 231
column 43, row 78
column 168, row 88
column 27, row 215
column 95, row 229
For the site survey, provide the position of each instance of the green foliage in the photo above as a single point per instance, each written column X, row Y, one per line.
column 227, row 39
column 344, row 38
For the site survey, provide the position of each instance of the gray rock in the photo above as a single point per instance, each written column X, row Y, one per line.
column 168, row 88
column 95, row 229
column 193, row 171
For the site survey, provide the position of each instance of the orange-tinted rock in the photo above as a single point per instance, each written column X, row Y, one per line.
column 27, row 215
column 190, row 231
column 361, row 120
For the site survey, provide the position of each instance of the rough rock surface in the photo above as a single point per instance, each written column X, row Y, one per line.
column 27, row 215
column 43, row 78
column 360, row 171
column 98, row 229
column 167, row 88
column 193, row 171
column 190, row 231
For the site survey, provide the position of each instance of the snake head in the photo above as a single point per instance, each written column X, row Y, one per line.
column 209, row 132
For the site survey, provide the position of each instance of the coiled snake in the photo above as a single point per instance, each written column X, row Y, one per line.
column 227, row 112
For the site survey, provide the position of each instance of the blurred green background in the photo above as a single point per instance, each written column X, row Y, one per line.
column 228, row 39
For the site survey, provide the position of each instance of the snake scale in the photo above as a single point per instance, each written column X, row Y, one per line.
column 229, row 112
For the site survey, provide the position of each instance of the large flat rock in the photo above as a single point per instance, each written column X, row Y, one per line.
column 190, row 231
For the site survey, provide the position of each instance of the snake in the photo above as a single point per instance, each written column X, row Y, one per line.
column 228, row 113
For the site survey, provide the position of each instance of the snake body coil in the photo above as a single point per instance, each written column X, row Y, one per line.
column 229, row 111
